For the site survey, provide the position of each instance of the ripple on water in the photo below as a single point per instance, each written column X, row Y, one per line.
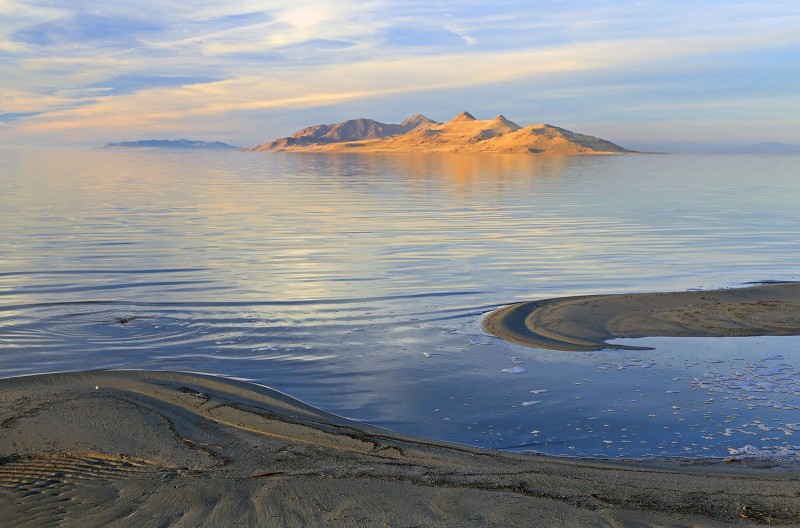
column 364, row 300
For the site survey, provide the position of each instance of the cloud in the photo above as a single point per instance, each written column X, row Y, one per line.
column 86, row 30
column 291, row 87
column 169, row 66
column 14, row 11
column 16, row 15
column 252, row 29
column 9, row 46
column 9, row 117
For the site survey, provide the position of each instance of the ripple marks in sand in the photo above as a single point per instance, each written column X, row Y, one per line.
column 45, row 487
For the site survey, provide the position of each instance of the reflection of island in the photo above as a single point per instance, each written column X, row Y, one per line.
column 449, row 169
column 186, row 144
column 463, row 133
column 479, row 169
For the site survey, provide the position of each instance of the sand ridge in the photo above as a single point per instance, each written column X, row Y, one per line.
column 586, row 323
column 134, row 448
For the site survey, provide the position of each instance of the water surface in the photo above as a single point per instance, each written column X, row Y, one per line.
column 357, row 283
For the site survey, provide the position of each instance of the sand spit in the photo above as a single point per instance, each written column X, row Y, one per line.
column 129, row 448
column 585, row 323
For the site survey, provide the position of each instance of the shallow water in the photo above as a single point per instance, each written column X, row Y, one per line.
column 357, row 283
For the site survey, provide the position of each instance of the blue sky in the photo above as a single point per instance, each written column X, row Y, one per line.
column 667, row 75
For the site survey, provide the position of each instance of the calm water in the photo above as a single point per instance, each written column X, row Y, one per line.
column 357, row 283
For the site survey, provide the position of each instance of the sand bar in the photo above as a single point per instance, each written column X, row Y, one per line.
column 586, row 323
column 133, row 448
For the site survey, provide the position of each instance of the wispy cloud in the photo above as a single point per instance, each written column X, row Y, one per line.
column 106, row 67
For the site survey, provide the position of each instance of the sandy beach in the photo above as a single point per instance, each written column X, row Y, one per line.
column 399, row 264
column 586, row 323
column 136, row 448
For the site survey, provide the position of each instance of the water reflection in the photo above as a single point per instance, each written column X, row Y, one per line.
column 357, row 282
column 456, row 169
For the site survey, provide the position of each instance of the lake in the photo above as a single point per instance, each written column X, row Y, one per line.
column 357, row 283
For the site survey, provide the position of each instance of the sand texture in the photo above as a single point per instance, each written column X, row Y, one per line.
column 130, row 448
column 585, row 323
column 463, row 133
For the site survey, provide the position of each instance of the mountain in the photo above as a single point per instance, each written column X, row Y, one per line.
column 768, row 148
column 352, row 130
column 171, row 144
column 463, row 133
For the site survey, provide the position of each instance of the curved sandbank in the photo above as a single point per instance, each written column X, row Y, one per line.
column 585, row 323
column 135, row 448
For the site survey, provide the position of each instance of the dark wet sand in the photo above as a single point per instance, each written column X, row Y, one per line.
column 585, row 323
column 130, row 448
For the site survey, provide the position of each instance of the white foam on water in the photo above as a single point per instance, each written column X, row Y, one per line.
column 785, row 452
column 728, row 392
column 756, row 378
column 633, row 363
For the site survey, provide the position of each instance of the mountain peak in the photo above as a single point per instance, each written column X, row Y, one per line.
column 417, row 120
column 501, row 120
column 463, row 133
column 463, row 116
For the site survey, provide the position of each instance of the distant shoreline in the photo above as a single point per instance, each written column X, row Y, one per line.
column 175, row 144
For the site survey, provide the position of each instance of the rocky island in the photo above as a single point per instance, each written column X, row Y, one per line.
column 463, row 133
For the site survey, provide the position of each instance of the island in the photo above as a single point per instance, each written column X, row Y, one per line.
column 185, row 144
column 463, row 133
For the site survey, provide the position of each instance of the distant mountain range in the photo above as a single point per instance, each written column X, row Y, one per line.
column 172, row 144
column 463, row 133
column 767, row 148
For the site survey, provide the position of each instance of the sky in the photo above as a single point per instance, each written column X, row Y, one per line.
column 658, row 75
